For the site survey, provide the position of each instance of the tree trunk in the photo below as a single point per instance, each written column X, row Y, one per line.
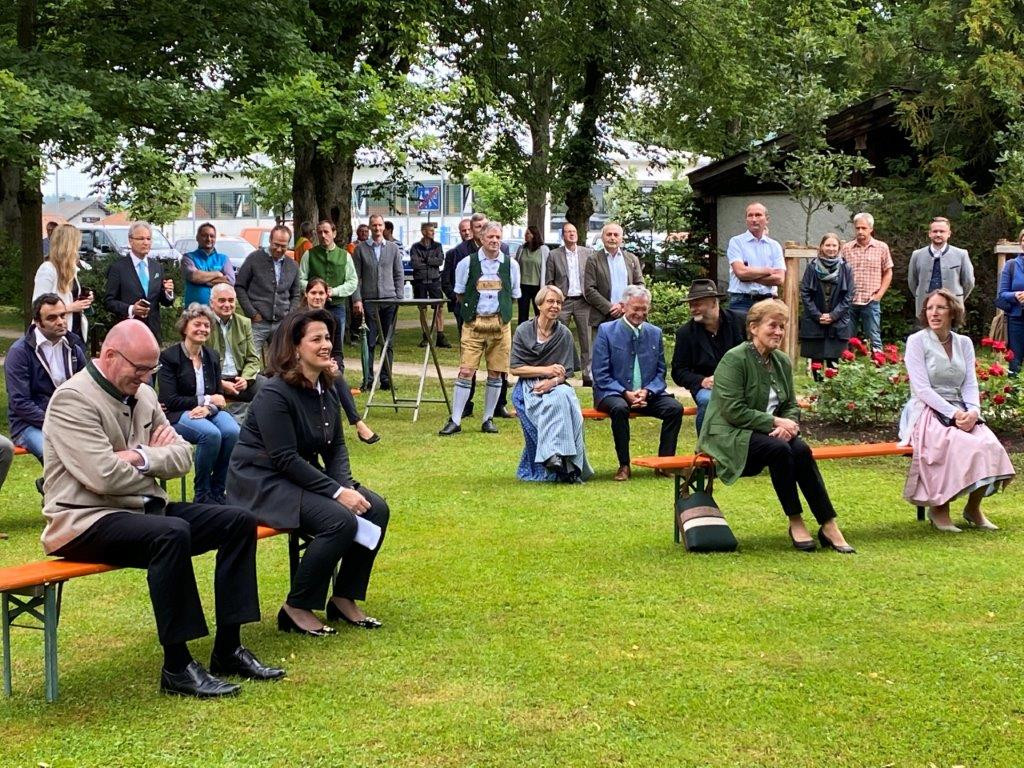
column 582, row 159
column 333, row 176
column 538, row 174
column 304, row 207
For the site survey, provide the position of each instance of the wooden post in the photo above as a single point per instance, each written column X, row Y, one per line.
column 795, row 256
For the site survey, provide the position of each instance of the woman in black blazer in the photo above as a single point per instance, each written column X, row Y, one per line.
column 190, row 391
column 291, row 469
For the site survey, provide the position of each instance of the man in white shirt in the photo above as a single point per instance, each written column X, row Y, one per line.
column 756, row 264
column 564, row 269
column 36, row 364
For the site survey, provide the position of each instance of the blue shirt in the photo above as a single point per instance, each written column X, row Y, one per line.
column 488, row 302
column 619, row 276
column 754, row 252
column 200, row 260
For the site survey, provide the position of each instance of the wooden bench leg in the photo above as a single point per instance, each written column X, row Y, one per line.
column 5, row 617
column 920, row 514
column 13, row 606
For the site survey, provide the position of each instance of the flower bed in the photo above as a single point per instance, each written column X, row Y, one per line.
column 871, row 388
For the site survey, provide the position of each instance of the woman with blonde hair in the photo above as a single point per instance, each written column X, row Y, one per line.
column 59, row 275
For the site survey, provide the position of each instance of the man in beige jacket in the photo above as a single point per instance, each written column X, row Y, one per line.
column 107, row 443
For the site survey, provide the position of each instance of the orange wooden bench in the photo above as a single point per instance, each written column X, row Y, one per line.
column 19, row 451
column 690, row 410
column 25, row 589
column 693, row 472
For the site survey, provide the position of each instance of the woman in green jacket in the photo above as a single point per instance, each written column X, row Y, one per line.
column 752, row 422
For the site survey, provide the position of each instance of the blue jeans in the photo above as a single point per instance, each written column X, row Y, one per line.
column 214, row 439
column 1015, row 339
column 338, row 312
column 867, row 322
column 31, row 439
column 702, row 399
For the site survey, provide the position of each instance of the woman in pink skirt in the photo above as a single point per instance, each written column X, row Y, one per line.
column 954, row 452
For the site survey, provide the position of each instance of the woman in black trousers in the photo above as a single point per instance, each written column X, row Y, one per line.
column 293, row 428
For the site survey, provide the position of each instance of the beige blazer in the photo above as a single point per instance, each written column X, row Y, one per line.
column 82, row 478
column 597, row 284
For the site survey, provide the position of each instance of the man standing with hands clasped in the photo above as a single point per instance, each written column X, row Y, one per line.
column 939, row 265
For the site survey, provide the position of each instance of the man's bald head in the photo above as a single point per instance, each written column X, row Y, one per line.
column 129, row 356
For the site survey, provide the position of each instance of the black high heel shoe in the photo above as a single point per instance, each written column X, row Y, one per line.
column 286, row 623
column 803, row 546
column 826, row 543
column 368, row 622
column 369, row 440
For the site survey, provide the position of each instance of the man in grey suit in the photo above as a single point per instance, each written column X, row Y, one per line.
column 379, row 267
column 606, row 276
column 564, row 269
column 268, row 286
column 940, row 265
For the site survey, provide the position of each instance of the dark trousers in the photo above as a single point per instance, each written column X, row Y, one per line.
column 379, row 319
column 664, row 407
column 790, row 465
column 164, row 546
column 526, row 301
column 332, row 528
column 348, row 403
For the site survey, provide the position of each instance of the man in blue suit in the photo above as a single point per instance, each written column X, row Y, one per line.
column 629, row 375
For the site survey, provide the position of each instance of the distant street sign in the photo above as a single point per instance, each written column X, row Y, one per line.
column 429, row 196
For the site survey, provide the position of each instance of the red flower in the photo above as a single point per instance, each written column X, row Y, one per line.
column 894, row 357
column 996, row 369
column 850, row 406
column 847, row 355
column 855, row 341
column 983, row 375
column 999, row 399
column 890, row 349
column 816, row 366
column 999, row 346
column 879, row 359
column 1007, row 389
column 831, row 373
column 986, row 342
column 1008, row 355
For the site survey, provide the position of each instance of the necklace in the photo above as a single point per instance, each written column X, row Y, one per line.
column 765, row 361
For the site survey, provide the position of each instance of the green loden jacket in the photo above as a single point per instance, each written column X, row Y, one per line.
column 737, row 408
column 242, row 346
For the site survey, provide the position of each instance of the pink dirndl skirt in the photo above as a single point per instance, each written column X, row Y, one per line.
column 949, row 462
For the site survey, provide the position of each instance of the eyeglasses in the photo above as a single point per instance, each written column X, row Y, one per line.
column 141, row 370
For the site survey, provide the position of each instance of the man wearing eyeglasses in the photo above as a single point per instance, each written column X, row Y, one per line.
column 268, row 286
column 107, row 444
column 136, row 284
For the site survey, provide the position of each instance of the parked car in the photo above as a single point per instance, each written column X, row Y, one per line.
column 98, row 239
column 260, row 238
column 235, row 248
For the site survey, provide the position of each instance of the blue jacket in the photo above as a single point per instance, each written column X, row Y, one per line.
column 612, row 359
column 1011, row 280
column 29, row 386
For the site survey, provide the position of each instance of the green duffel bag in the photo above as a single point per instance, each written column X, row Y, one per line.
column 702, row 524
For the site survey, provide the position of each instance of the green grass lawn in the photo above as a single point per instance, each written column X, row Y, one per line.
column 541, row 625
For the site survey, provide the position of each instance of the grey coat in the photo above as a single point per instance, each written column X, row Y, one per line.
column 556, row 272
column 597, row 284
column 258, row 290
column 383, row 281
column 957, row 274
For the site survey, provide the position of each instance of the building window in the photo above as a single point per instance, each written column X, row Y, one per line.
column 225, row 204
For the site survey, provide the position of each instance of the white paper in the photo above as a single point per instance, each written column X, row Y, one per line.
column 367, row 533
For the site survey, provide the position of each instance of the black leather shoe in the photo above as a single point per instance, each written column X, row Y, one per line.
column 367, row 622
column 241, row 663
column 450, row 428
column 826, row 542
column 588, row 382
column 286, row 623
column 803, row 546
column 374, row 438
column 502, row 413
column 442, row 342
column 39, row 485
column 196, row 681
column 488, row 427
